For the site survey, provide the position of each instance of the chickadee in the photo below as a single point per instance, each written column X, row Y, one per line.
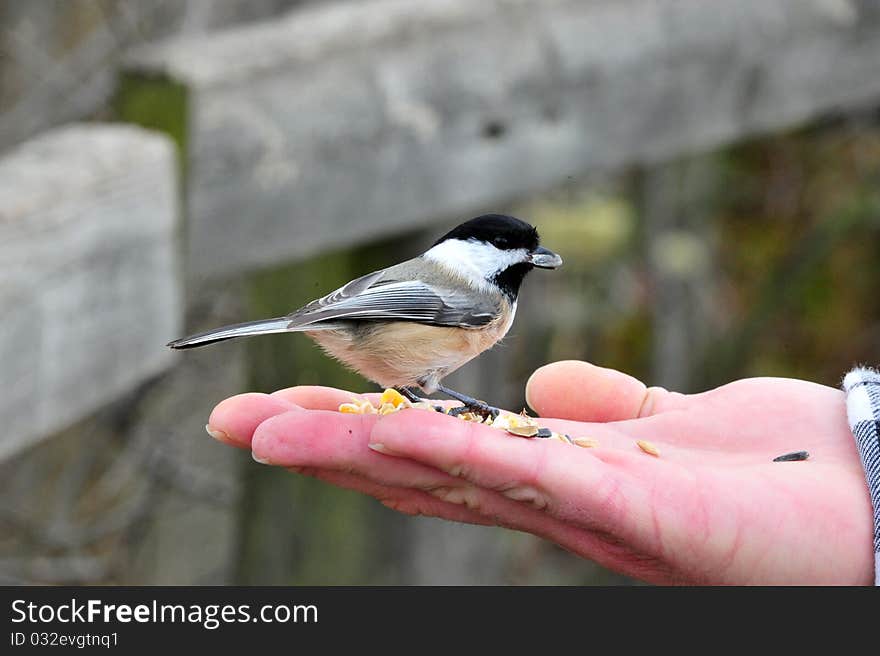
column 413, row 323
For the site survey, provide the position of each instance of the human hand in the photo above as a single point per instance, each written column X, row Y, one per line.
column 711, row 509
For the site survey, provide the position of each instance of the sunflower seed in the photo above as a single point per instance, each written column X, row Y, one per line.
column 649, row 448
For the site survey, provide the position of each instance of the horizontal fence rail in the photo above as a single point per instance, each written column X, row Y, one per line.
column 294, row 131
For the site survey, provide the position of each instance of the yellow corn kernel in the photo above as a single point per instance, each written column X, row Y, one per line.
column 395, row 398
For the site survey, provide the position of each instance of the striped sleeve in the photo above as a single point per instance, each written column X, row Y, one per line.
column 862, row 387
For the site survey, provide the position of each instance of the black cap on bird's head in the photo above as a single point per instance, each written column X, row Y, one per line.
column 503, row 232
column 514, row 242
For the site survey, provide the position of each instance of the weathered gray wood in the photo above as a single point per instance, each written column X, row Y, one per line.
column 60, row 60
column 89, row 291
column 194, row 518
column 359, row 117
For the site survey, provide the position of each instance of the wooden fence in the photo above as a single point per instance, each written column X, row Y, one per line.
column 341, row 125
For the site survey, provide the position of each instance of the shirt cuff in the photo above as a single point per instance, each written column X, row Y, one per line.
column 862, row 387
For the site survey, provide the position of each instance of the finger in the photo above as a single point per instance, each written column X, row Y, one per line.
column 582, row 391
column 235, row 419
column 328, row 441
column 568, row 481
column 334, row 441
column 572, row 389
column 333, row 447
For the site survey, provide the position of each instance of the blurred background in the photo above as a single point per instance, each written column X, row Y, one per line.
column 709, row 171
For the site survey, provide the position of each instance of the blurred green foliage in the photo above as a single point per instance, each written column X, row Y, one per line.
column 155, row 103
column 800, row 225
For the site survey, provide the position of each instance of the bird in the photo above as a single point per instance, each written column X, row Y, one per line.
column 408, row 326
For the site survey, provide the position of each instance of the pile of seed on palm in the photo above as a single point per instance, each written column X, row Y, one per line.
column 521, row 425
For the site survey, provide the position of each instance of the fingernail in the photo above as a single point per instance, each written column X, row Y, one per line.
column 259, row 460
column 218, row 435
column 647, row 407
column 381, row 448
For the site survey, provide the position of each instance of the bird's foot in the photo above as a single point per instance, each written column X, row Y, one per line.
column 469, row 404
column 478, row 408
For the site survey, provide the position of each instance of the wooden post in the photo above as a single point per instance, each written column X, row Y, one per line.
column 88, row 274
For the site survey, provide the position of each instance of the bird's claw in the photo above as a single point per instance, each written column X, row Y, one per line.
column 481, row 409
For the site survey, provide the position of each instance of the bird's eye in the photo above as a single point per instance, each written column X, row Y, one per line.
column 500, row 242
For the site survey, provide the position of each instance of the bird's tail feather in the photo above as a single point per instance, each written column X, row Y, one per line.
column 263, row 327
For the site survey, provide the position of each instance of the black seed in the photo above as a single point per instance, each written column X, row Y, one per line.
column 544, row 432
column 792, row 457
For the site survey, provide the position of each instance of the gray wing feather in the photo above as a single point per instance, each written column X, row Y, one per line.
column 382, row 295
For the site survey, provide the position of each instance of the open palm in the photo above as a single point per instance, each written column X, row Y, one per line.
column 712, row 508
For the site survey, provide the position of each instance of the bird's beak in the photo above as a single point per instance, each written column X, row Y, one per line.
column 544, row 259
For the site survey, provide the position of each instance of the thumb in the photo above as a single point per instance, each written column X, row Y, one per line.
column 581, row 391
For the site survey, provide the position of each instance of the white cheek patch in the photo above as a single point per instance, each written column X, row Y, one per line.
column 476, row 261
